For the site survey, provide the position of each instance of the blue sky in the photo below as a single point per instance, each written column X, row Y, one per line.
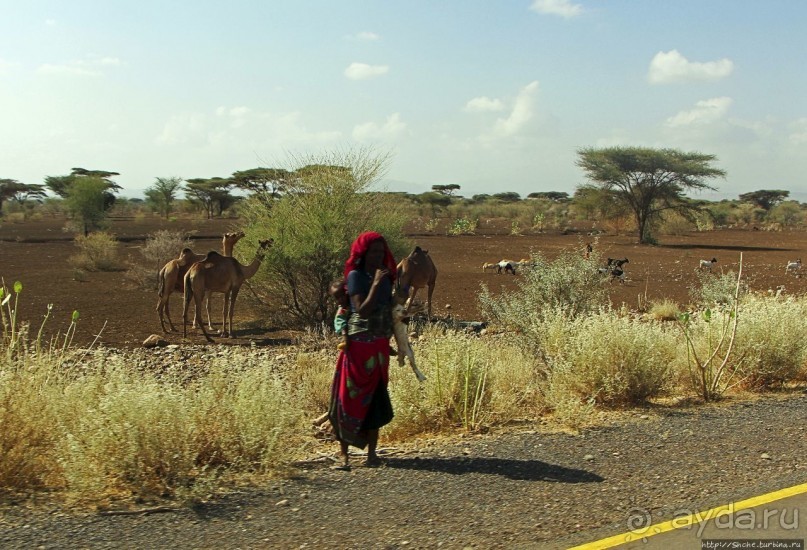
column 491, row 95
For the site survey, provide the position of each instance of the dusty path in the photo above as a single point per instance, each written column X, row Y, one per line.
column 523, row 488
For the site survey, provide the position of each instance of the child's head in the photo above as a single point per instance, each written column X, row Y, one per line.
column 339, row 293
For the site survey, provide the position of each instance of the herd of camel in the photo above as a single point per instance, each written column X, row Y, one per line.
column 196, row 276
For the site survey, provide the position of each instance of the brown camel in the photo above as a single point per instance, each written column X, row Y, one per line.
column 172, row 275
column 417, row 271
column 217, row 273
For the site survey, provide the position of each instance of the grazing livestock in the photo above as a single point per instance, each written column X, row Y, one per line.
column 708, row 264
column 793, row 267
column 616, row 262
column 506, row 266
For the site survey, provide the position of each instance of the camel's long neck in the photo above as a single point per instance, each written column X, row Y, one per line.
column 252, row 269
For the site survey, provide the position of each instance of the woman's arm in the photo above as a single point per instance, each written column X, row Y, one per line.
column 364, row 305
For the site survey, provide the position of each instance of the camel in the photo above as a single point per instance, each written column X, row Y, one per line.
column 417, row 271
column 172, row 275
column 217, row 273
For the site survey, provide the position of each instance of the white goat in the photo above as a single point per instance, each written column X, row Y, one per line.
column 708, row 264
column 401, row 332
column 486, row 266
column 793, row 266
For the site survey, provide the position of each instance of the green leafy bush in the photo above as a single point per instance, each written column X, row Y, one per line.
column 325, row 207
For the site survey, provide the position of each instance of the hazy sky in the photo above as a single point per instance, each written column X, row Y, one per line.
column 493, row 95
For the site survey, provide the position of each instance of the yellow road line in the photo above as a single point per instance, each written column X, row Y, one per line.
column 692, row 519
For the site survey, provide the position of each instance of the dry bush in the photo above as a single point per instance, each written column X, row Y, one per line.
column 471, row 382
column 98, row 252
column 771, row 342
column 675, row 224
column 160, row 247
column 608, row 359
column 664, row 310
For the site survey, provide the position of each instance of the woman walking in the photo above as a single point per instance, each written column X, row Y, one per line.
column 360, row 402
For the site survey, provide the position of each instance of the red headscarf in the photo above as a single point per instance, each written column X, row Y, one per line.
column 360, row 247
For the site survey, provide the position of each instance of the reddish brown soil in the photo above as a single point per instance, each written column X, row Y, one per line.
column 37, row 253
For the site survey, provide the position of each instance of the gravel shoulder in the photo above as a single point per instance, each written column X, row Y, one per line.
column 522, row 488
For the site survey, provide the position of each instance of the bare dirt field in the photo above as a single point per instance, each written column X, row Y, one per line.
column 36, row 253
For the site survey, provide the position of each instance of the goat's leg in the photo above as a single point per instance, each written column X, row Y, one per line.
column 431, row 291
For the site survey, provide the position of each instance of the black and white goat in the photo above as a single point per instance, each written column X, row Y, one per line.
column 708, row 264
column 508, row 266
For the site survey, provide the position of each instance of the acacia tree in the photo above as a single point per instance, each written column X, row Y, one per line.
column 765, row 198
column 19, row 192
column 163, row 194
column 86, row 204
column 649, row 181
column 447, row 190
column 554, row 196
column 61, row 185
column 212, row 194
column 265, row 184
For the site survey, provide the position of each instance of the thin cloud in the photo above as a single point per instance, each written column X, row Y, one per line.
column 562, row 8
column 83, row 67
column 50, row 22
column 705, row 112
column 230, row 127
column 483, row 104
column 371, row 131
column 233, row 111
column 667, row 67
column 363, row 71
column 365, row 36
column 521, row 114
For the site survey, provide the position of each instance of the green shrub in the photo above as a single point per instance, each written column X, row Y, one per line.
column 570, row 284
column 313, row 225
column 716, row 290
column 462, row 226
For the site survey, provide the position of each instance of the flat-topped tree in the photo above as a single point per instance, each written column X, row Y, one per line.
column 265, row 184
column 765, row 198
column 19, row 192
column 649, row 181
column 212, row 194
column 89, row 194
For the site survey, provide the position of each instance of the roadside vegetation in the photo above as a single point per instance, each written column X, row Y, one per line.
column 84, row 424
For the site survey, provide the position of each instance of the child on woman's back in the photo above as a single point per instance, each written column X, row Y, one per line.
column 338, row 292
